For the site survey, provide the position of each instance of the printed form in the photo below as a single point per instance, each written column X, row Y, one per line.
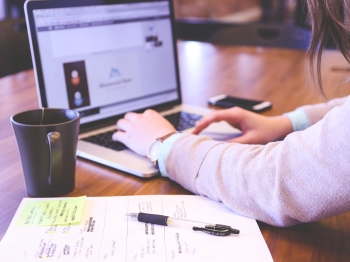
column 105, row 233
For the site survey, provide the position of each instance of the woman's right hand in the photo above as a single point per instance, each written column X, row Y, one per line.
column 256, row 129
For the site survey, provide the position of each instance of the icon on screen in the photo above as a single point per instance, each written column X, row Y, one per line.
column 114, row 73
column 76, row 84
column 75, row 77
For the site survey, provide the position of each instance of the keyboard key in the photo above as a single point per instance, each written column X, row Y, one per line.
column 105, row 140
column 180, row 120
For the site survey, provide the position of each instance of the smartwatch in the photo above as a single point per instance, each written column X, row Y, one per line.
column 154, row 150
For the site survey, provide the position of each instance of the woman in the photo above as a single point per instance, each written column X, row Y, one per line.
column 305, row 177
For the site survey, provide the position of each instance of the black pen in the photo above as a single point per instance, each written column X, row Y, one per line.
column 212, row 229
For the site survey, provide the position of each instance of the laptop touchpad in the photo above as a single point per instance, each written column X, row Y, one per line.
column 220, row 131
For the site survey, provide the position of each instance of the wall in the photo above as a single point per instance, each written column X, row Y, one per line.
column 211, row 8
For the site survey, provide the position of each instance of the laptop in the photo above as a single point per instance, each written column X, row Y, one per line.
column 104, row 58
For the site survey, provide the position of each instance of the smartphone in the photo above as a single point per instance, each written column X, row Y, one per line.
column 227, row 101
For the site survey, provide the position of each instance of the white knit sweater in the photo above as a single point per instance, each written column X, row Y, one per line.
column 305, row 177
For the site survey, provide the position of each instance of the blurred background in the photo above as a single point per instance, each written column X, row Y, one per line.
column 11, row 9
column 237, row 11
column 266, row 23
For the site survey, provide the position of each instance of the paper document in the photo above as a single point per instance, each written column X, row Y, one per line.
column 105, row 233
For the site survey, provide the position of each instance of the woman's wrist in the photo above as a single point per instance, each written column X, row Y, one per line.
column 283, row 125
column 163, row 154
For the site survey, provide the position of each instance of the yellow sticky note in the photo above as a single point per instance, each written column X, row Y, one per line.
column 52, row 212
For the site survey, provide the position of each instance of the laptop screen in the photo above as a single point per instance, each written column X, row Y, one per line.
column 103, row 59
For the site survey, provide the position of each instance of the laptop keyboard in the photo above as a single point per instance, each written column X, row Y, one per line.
column 105, row 140
column 180, row 120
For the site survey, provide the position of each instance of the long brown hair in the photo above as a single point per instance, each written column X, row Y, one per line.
column 329, row 20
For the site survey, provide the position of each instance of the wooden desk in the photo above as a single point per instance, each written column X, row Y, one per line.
column 281, row 76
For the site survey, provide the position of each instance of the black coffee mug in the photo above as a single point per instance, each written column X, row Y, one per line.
column 47, row 142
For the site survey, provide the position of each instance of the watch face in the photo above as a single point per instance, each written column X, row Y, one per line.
column 154, row 151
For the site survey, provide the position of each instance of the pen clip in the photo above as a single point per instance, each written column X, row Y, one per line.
column 222, row 228
column 217, row 230
column 213, row 232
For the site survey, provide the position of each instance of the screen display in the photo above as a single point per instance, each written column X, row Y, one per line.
column 105, row 60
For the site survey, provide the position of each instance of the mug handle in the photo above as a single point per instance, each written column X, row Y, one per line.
column 55, row 147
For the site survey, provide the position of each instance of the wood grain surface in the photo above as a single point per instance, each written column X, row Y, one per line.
column 278, row 75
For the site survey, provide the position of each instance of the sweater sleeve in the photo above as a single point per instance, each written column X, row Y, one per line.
column 305, row 116
column 316, row 112
column 305, row 177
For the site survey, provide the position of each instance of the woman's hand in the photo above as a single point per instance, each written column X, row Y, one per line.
column 138, row 131
column 256, row 129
